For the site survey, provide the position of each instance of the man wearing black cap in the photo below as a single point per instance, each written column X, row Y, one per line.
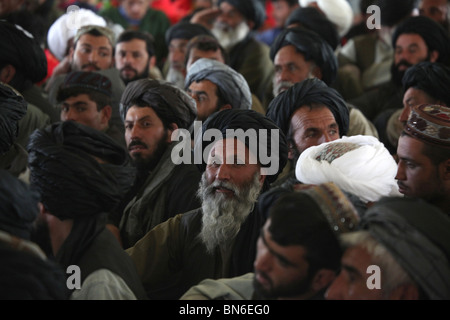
column 234, row 24
column 400, row 252
column 219, row 239
column 424, row 156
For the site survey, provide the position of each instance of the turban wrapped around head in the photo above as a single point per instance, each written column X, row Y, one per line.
column 233, row 86
column 359, row 165
column 20, row 49
column 186, row 30
column 312, row 46
column 78, row 171
column 248, row 120
column 416, row 234
column 309, row 91
column 169, row 102
column 251, row 9
column 18, row 205
column 12, row 108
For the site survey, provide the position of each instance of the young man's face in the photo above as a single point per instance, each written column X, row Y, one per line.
column 196, row 54
column 413, row 97
column 135, row 9
column 83, row 110
column 92, row 53
column 204, row 92
column 132, row 60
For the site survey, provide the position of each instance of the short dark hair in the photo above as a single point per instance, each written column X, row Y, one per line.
column 205, row 43
column 129, row 35
column 102, row 100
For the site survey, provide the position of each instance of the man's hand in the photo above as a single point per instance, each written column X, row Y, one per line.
column 206, row 17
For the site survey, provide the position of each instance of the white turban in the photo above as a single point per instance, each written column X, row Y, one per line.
column 360, row 165
column 339, row 12
column 66, row 26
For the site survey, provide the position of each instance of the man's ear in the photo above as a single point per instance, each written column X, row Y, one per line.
column 152, row 63
column 290, row 150
column 322, row 279
column 434, row 56
column 106, row 113
column 250, row 24
column 7, row 73
column 172, row 127
column 225, row 107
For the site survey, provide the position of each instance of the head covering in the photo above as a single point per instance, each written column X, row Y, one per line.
column 430, row 123
column 253, row 10
column 234, row 119
column 339, row 12
column 20, row 49
column 392, row 12
column 360, row 165
column 232, row 85
column 66, row 26
column 312, row 19
column 434, row 35
column 18, row 206
column 62, row 157
column 185, row 30
column 178, row 105
column 87, row 80
column 12, row 108
column 312, row 46
column 416, row 234
column 430, row 77
column 283, row 106
column 104, row 31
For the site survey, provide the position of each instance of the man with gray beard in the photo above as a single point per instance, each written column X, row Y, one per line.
column 219, row 239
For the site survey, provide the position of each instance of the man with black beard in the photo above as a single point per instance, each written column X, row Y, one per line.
column 297, row 250
column 152, row 110
column 218, row 239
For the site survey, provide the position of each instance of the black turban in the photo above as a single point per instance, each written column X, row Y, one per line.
column 312, row 46
column 65, row 170
column 12, row 108
column 434, row 35
column 171, row 104
column 313, row 19
column 20, row 49
column 432, row 78
column 234, row 119
column 18, row 206
column 416, row 234
column 186, row 30
column 309, row 91
column 251, row 9
column 392, row 12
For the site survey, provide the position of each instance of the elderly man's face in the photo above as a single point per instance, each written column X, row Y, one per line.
column 92, row 53
column 230, row 26
column 177, row 54
column 132, row 60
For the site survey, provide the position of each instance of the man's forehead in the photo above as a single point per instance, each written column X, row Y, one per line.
column 232, row 148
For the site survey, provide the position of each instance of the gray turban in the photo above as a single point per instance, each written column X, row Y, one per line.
column 71, row 181
column 12, row 108
column 309, row 91
column 231, row 84
column 251, row 9
column 171, row 104
column 312, row 46
column 20, row 49
column 417, row 235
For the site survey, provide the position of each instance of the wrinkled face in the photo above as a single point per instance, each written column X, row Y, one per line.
column 196, row 54
column 83, row 110
column 92, row 54
column 434, row 9
column 132, row 60
column 416, row 175
column 351, row 283
column 204, row 93
column 290, row 68
column 177, row 53
column 280, row 271
column 413, row 97
column 229, row 17
column 135, row 9
column 312, row 127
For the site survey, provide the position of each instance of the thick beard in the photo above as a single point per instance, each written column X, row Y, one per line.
column 145, row 165
column 176, row 78
column 229, row 37
column 296, row 288
column 223, row 217
column 144, row 75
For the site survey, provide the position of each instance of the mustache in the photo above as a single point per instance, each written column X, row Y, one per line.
column 401, row 185
column 282, row 84
column 403, row 63
column 137, row 143
column 90, row 65
column 127, row 67
column 221, row 184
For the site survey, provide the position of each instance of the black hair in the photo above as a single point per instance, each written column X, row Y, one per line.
column 129, row 35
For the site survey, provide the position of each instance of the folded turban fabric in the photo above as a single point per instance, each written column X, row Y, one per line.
column 18, row 205
column 416, row 234
column 430, row 77
column 65, row 170
column 232, row 85
column 20, row 49
column 253, row 10
column 234, row 119
column 434, row 35
column 392, row 12
column 12, row 108
column 186, row 30
column 309, row 91
column 66, row 26
column 168, row 101
column 359, row 165
column 314, row 20
column 339, row 12
column 312, row 46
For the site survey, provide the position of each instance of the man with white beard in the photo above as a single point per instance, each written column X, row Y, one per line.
column 219, row 238
column 234, row 24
